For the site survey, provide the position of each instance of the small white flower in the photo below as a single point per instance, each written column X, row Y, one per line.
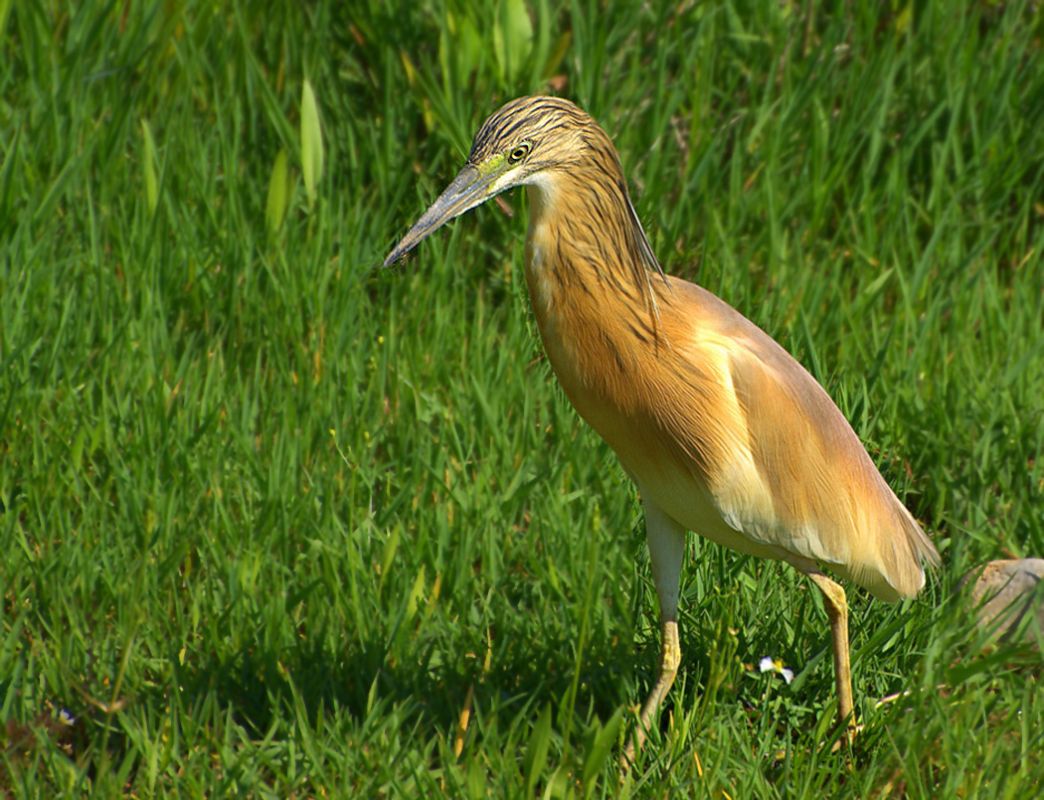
column 768, row 664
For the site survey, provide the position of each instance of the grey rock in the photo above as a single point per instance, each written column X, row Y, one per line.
column 1005, row 593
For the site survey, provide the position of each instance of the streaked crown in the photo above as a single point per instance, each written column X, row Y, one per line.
column 544, row 129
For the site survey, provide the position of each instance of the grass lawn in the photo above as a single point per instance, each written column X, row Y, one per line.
column 275, row 520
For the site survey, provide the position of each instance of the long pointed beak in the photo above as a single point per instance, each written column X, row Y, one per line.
column 467, row 191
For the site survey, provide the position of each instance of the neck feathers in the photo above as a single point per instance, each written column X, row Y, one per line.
column 585, row 236
column 594, row 285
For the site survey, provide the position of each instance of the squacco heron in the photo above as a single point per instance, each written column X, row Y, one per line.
column 724, row 433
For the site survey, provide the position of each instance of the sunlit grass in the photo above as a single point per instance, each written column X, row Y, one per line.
column 274, row 518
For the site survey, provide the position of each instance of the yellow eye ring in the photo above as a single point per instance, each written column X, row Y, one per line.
column 519, row 152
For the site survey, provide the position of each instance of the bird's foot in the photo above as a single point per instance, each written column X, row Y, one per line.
column 848, row 735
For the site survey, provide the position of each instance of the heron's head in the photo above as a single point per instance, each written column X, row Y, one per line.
column 525, row 142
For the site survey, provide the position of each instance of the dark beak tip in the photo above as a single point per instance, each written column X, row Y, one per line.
column 396, row 254
column 457, row 198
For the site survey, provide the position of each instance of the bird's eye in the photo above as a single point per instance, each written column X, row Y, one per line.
column 519, row 153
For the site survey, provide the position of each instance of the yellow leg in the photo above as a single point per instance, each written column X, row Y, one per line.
column 666, row 541
column 837, row 612
column 670, row 658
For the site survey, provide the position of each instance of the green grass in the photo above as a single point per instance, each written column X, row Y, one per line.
column 271, row 514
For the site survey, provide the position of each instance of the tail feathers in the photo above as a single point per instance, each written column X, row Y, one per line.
column 904, row 562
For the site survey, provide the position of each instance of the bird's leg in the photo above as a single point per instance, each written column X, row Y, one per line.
column 837, row 612
column 666, row 540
